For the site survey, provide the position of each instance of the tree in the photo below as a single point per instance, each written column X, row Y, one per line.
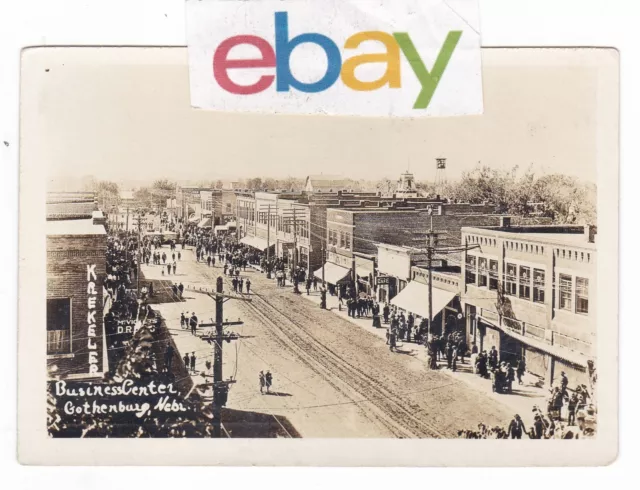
column 107, row 193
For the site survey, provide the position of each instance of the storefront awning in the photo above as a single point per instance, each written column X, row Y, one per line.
column 194, row 219
column 255, row 242
column 333, row 273
column 231, row 224
column 205, row 223
column 568, row 355
column 415, row 298
column 221, row 228
column 363, row 272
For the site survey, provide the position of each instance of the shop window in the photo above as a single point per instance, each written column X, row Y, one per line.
column 511, row 279
column 493, row 275
column 483, row 272
column 471, row 269
column 566, row 292
column 582, row 295
column 525, row 283
column 59, row 326
column 538, row 286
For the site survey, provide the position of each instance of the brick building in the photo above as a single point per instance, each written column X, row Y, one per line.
column 530, row 292
column 353, row 232
column 76, row 268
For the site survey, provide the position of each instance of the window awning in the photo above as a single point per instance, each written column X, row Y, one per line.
column 333, row 273
column 255, row 242
column 415, row 298
column 205, row 223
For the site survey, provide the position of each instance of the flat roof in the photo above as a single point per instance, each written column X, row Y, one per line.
column 545, row 237
column 74, row 227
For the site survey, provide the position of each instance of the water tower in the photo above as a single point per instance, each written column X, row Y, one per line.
column 441, row 174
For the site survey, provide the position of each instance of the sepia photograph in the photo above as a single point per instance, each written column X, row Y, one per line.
column 269, row 276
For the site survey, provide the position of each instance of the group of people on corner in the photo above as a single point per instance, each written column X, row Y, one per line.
column 502, row 373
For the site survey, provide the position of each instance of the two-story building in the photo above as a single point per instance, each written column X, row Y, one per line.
column 76, row 269
column 530, row 292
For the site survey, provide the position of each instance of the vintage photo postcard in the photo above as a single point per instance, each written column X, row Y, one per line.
column 213, row 287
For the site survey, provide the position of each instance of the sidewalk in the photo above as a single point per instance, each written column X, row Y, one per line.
column 521, row 401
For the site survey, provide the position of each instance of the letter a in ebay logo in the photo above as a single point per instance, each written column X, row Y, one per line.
column 395, row 44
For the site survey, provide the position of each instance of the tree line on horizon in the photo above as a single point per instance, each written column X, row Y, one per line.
column 563, row 198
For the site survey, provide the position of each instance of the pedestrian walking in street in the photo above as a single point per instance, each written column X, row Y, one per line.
column 262, row 381
column 164, row 258
column 315, row 283
column 174, row 268
column 234, row 283
column 168, row 269
column 181, row 289
column 248, row 284
column 173, row 255
column 240, row 284
column 193, row 323
column 183, row 320
column 392, row 338
column 186, row 361
column 268, row 379
column 179, row 256
column 193, row 362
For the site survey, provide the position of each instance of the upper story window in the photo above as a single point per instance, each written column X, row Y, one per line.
column 347, row 240
column 524, row 291
column 59, row 326
column 342, row 239
column 493, row 275
column 565, row 292
column 471, row 269
column 510, row 279
column 538, row 285
column 483, row 272
column 582, row 295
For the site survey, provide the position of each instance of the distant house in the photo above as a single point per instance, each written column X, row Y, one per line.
column 326, row 183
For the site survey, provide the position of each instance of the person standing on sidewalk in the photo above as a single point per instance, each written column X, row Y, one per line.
column 248, row 283
column 193, row 323
column 516, row 428
column 168, row 358
column 520, row 369
column 183, row 320
column 193, row 362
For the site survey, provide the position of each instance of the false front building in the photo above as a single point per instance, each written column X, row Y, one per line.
column 530, row 292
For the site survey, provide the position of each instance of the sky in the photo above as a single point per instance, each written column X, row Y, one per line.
column 123, row 114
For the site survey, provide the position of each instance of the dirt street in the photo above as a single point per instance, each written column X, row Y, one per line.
column 331, row 378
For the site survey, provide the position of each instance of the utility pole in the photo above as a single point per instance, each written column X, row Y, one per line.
column 139, row 220
column 324, row 258
column 220, row 386
column 268, row 240
column 217, row 360
column 294, row 276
